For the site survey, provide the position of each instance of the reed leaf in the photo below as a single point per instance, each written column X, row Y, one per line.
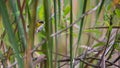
column 71, row 35
column 10, row 33
column 48, row 28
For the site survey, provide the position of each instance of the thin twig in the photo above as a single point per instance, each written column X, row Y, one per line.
column 67, row 60
column 38, row 45
column 105, row 27
column 63, row 65
column 110, row 63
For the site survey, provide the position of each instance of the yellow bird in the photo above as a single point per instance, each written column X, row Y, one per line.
column 39, row 25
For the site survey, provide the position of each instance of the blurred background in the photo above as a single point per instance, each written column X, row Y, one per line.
column 74, row 33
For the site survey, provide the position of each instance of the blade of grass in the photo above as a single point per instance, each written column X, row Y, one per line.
column 9, row 30
column 81, row 23
column 99, row 10
column 83, row 8
column 18, row 22
column 71, row 35
column 21, row 15
column 56, row 40
column 48, row 29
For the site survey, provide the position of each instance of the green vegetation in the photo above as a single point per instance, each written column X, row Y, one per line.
column 75, row 33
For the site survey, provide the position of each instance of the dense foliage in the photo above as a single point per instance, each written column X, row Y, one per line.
column 73, row 34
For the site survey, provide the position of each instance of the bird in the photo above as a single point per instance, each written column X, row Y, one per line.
column 39, row 25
